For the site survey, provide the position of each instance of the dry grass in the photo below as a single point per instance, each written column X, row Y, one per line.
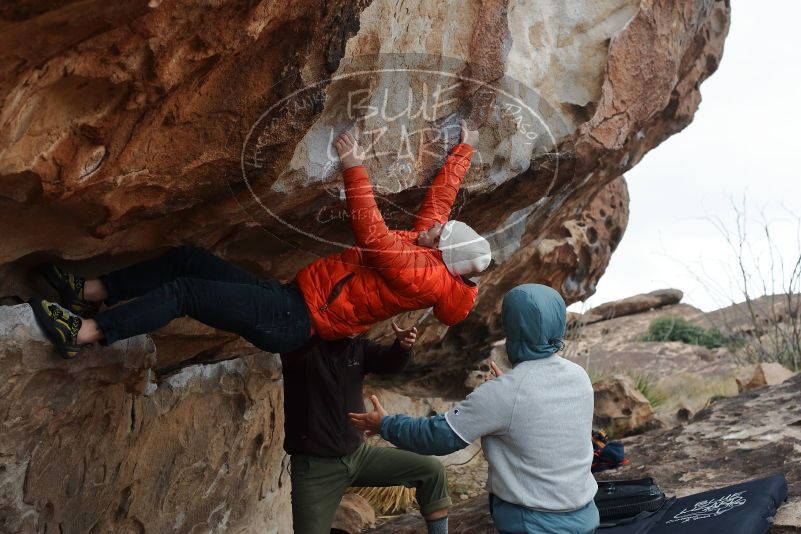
column 694, row 391
column 668, row 394
column 389, row 500
column 650, row 389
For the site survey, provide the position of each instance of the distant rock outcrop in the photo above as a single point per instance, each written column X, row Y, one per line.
column 763, row 374
column 686, row 375
column 632, row 305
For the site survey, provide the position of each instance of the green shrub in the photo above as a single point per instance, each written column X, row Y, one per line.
column 678, row 329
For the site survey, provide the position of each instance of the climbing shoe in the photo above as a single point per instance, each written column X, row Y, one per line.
column 70, row 290
column 59, row 325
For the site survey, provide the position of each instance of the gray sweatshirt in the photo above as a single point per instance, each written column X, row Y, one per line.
column 534, row 423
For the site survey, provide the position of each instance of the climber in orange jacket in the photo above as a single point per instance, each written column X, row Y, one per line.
column 386, row 273
column 393, row 271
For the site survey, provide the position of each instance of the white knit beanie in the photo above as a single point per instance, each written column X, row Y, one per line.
column 463, row 249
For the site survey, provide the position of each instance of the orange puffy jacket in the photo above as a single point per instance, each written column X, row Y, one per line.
column 387, row 273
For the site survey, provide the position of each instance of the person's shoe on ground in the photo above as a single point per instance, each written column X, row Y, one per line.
column 60, row 325
column 70, row 290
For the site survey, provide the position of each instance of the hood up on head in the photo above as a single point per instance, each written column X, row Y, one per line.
column 534, row 319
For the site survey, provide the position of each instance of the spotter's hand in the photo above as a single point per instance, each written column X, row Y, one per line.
column 369, row 422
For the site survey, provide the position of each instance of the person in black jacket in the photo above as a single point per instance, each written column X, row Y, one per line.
column 322, row 384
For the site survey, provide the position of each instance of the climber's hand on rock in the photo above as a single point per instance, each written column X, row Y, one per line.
column 350, row 153
column 369, row 422
column 407, row 337
column 468, row 137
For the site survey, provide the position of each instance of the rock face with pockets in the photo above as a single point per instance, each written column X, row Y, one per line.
column 126, row 128
column 97, row 445
column 620, row 408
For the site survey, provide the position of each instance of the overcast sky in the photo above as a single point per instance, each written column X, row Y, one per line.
column 743, row 142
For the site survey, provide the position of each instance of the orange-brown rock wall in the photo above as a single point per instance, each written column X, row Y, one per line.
column 130, row 127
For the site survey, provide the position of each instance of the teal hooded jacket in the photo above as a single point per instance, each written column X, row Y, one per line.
column 534, row 320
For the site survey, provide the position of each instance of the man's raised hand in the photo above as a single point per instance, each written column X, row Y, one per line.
column 369, row 422
column 407, row 337
column 468, row 137
column 495, row 369
column 350, row 153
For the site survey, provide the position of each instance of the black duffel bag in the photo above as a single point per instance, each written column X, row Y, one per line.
column 620, row 500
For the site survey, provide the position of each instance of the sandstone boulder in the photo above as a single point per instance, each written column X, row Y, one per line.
column 129, row 127
column 620, row 408
column 136, row 127
column 763, row 374
column 354, row 515
column 104, row 444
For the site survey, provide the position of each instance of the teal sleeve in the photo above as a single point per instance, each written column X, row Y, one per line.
column 423, row 435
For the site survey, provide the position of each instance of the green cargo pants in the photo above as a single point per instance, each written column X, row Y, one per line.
column 319, row 483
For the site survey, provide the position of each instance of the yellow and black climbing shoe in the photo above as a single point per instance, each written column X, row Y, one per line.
column 70, row 290
column 59, row 325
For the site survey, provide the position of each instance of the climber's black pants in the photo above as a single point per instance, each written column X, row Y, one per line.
column 190, row 281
